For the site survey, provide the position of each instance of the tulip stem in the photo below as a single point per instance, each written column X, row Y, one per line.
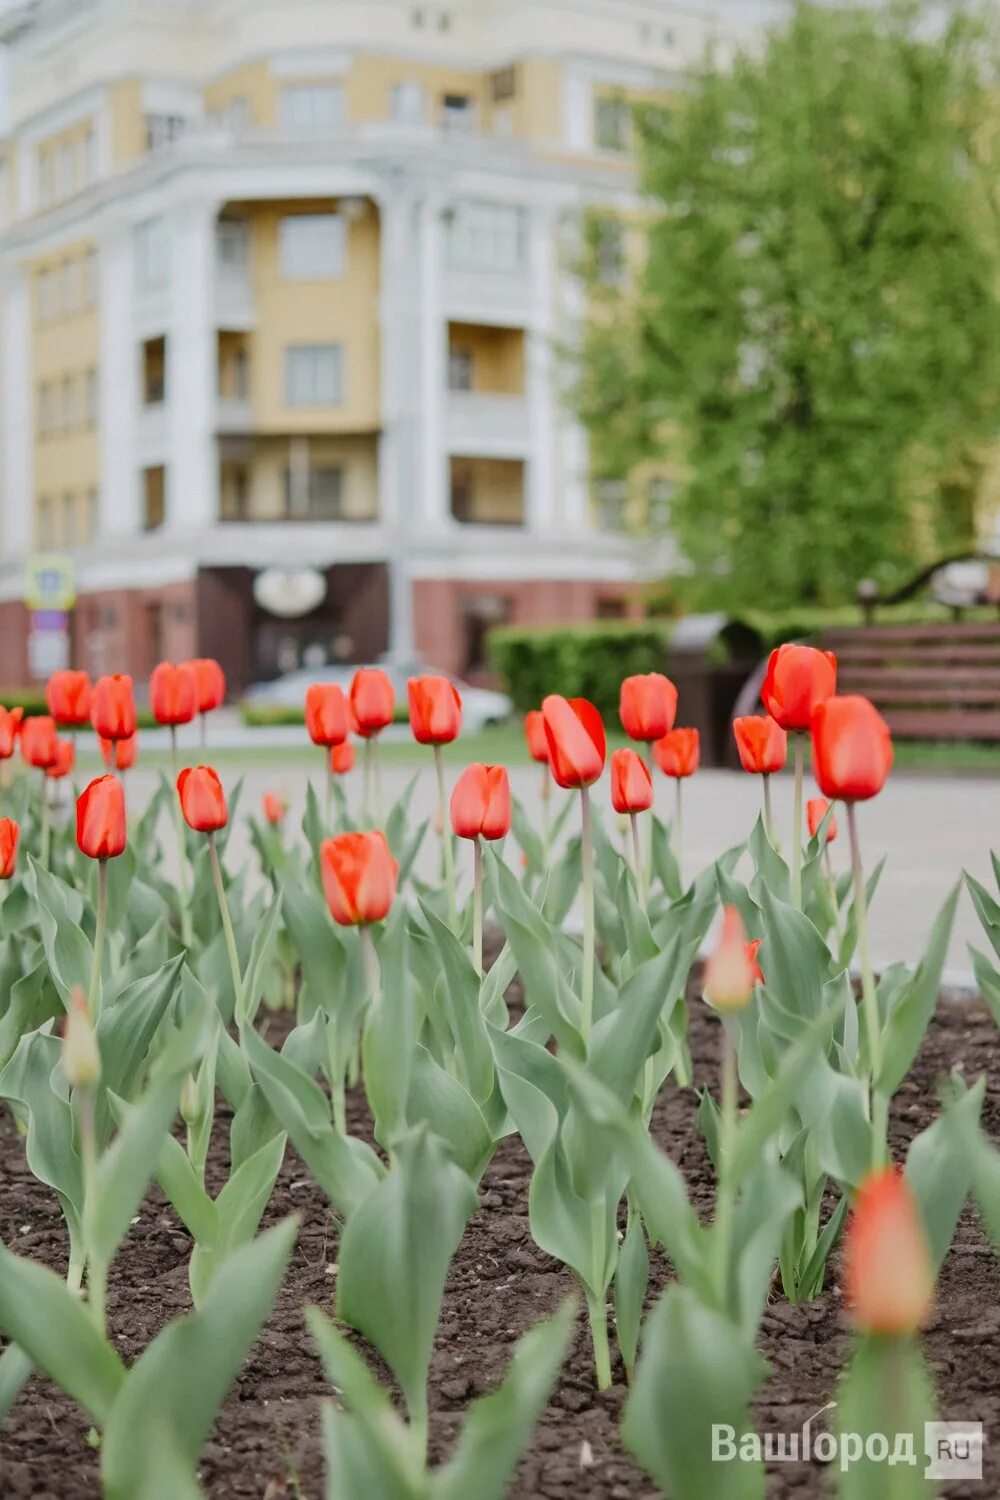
column 726, row 1186
column 869, row 997
column 595, row 1299
column 97, row 1272
column 679, row 825
column 768, row 810
column 587, row 977
column 446, row 849
column 227, row 927
column 797, row 822
column 187, row 931
column 44, row 854
column 328, row 796
column 94, row 993
column 546, row 806
column 640, row 871
column 477, row 905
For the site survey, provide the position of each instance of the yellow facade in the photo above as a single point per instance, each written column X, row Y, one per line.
column 128, row 133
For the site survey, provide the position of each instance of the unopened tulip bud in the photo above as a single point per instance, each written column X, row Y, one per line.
column 81, row 1057
column 732, row 970
column 190, row 1104
column 889, row 1275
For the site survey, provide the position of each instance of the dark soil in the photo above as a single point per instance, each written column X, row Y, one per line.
column 266, row 1444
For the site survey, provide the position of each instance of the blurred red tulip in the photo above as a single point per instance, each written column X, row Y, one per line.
column 326, row 713
column 852, row 748
column 64, row 762
column 203, row 802
column 39, row 742
column 10, row 728
column 762, row 744
column 67, row 695
column 678, row 753
column 480, row 803
column 435, row 710
column 732, row 969
column 119, row 755
column 577, row 743
column 534, row 733
column 373, row 701
column 10, row 832
column 816, row 810
column 100, row 818
column 889, row 1275
column 647, row 706
column 210, row 683
column 112, row 707
column 798, row 678
column 173, row 693
column 359, row 877
column 274, row 807
column 342, row 758
column 631, row 783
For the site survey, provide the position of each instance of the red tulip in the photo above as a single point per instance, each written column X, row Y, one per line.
column 203, row 802
column 210, row 683
column 732, row 969
column 480, row 803
column 39, row 742
column 112, row 707
column 762, row 744
column 577, row 744
column 64, row 761
column 119, row 755
column 435, row 710
column 359, row 877
column 852, row 748
column 816, row 810
column 342, row 758
column 100, row 818
column 373, row 701
column 274, row 807
column 647, row 706
column 798, row 679
column 9, row 835
column 534, row 733
column 889, row 1274
column 68, row 697
column 326, row 713
column 173, row 693
column 10, row 728
column 631, row 783
column 678, row 753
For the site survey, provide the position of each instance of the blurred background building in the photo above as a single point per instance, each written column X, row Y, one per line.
column 284, row 292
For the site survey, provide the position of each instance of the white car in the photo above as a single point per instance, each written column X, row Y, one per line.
column 481, row 707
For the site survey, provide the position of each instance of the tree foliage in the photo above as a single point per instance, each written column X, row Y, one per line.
column 814, row 338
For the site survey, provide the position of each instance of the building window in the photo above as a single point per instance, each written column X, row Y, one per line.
column 312, row 246
column 68, row 537
column 90, row 278
column 45, row 523
column 611, row 496
column 47, row 294
column 89, row 157
column 659, row 504
column 67, row 173
column 311, row 107
column 314, row 375
column 459, row 369
column 406, row 102
column 458, row 112
column 45, row 413
column 610, row 253
column 612, row 124
column 486, row 237
column 154, row 371
column 68, row 403
column 154, row 486
column 503, row 85
column 90, row 398
column 322, row 497
column 162, row 129
column 152, row 255
column 68, row 286
column 93, row 514
column 232, row 245
column 46, row 177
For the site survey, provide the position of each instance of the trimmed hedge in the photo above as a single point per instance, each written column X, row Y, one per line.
column 257, row 715
column 32, row 700
column 579, row 661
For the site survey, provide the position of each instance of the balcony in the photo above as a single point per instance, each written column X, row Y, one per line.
column 486, row 425
column 233, row 416
column 487, row 492
column 497, row 296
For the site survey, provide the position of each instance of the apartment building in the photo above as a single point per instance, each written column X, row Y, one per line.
column 286, row 290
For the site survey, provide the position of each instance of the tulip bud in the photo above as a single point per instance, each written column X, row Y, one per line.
column 577, row 744
column 732, row 970
column 190, row 1104
column 889, row 1275
column 435, row 710
column 81, row 1057
column 372, row 701
column 647, row 706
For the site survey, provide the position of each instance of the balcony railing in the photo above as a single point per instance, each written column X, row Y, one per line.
column 486, row 425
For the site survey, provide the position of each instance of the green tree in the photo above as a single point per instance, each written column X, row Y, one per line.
column 814, row 337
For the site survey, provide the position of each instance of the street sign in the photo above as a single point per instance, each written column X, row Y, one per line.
column 49, row 581
column 48, row 652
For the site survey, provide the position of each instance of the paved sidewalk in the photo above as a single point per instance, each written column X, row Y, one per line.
column 931, row 827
